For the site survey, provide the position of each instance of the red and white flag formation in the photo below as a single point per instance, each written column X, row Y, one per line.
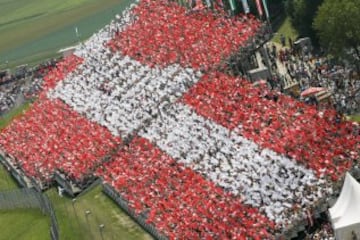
column 211, row 156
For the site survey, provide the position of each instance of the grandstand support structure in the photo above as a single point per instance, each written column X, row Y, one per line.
column 69, row 187
column 238, row 63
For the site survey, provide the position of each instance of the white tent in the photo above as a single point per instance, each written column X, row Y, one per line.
column 345, row 214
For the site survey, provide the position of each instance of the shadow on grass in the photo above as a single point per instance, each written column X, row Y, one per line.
column 278, row 21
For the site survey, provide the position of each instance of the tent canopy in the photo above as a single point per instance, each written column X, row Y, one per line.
column 345, row 214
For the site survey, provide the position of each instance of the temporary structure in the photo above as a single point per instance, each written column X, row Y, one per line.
column 345, row 214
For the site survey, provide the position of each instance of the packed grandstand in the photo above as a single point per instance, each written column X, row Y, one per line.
column 143, row 105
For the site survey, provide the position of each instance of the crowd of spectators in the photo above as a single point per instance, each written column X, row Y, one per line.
column 8, row 96
column 50, row 136
column 176, row 200
column 262, row 178
column 24, row 84
column 324, row 232
column 58, row 73
column 166, row 33
column 312, row 70
column 120, row 93
column 200, row 153
column 278, row 122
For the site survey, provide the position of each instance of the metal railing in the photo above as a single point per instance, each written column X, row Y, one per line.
column 139, row 218
column 29, row 198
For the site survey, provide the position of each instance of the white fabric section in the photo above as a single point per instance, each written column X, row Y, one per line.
column 345, row 214
column 264, row 179
column 120, row 93
column 339, row 207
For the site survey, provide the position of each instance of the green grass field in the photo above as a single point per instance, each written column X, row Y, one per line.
column 74, row 224
column 71, row 219
column 355, row 118
column 15, row 223
column 287, row 30
column 6, row 181
column 23, row 224
column 34, row 30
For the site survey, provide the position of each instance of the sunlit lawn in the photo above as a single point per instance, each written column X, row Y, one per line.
column 287, row 30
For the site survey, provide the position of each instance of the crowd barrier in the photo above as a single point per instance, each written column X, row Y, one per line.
column 15, row 172
column 54, row 230
column 33, row 198
column 19, row 198
column 29, row 198
column 140, row 219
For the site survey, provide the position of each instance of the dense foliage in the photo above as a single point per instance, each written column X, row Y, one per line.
column 302, row 14
column 337, row 25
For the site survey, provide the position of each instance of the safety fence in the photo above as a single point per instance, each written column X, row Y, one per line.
column 19, row 198
column 139, row 218
column 29, row 198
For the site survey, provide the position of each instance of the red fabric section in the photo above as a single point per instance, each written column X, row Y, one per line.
column 165, row 34
column 287, row 126
column 58, row 73
column 51, row 136
column 178, row 201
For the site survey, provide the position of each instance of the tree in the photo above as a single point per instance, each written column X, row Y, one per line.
column 338, row 27
column 302, row 13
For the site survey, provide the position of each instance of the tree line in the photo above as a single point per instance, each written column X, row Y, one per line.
column 332, row 24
